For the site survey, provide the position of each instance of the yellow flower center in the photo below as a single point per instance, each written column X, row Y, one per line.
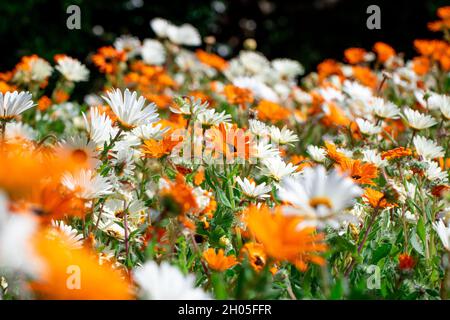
column 317, row 201
column 79, row 156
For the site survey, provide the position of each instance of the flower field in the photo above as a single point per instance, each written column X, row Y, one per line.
column 188, row 176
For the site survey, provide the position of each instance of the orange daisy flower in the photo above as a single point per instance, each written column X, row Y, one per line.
column 239, row 96
column 159, row 148
column 179, row 193
column 107, row 59
column 60, row 96
column 444, row 14
column 361, row 173
column 440, row 190
column 327, row 68
column 212, row 60
column 219, row 261
column 199, row 177
column 365, row 76
column 229, row 141
column 332, row 152
column 421, row 65
column 396, row 153
column 301, row 162
column 355, row 55
column 335, row 117
column 376, row 199
column 5, row 87
column 255, row 254
column 271, row 111
column 383, row 51
column 44, row 103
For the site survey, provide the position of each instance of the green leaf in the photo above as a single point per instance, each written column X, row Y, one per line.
column 223, row 198
column 416, row 244
column 381, row 252
column 421, row 230
column 337, row 291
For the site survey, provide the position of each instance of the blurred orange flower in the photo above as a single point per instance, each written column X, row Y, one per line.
column 212, row 60
column 355, row 55
column 383, row 51
column 70, row 274
column 107, row 59
column 271, row 111
column 283, row 239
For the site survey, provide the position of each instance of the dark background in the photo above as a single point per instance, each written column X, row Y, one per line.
column 308, row 31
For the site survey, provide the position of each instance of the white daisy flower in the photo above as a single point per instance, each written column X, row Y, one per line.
column 153, row 52
column 72, row 237
column 367, row 127
column 40, row 69
column 427, row 149
column 185, row 34
column 283, row 90
column 417, row 120
column 259, row 89
column 263, row 150
column 110, row 227
column 283, row 136
column 160, row 27
column 383, row 109
column 191, row 107
column 346, row 152
column 258, row 128
column 405, row 78
column 357, row 91
column 252, row 190
column 129, row 44
column 434, row 101
column 330, row 94
column 316, row 153
column 404, row 192
column 188, row 63
column 301, row 96
column 443, row 232
column 166, row 282
column 435, row 173
column 131, row 110
column 212, row 118
column 441, row 102
column 318, row 196
column 253, row 61
column 135, row 209
column 123, row 162
column 80, row 150
column 287, row 68
column 149, row 131
column 16, row 250
column 87, row 184
column 72, row 69
column 18, row 131
column 14, row 103
column 372, row 156
column 92, row 100
column 277, row 169
column 202, row 198
column 99, row 127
